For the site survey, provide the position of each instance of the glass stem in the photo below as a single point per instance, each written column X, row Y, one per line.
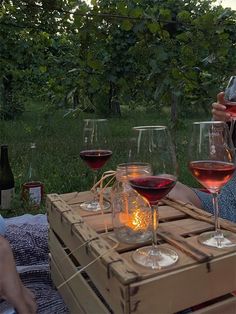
column 154, row 209
column 95, row 194
column 216, row 211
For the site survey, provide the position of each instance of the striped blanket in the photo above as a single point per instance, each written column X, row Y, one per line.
column 30, row 247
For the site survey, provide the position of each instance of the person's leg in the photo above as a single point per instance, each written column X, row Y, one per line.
column 185, row 194
column 11, row 287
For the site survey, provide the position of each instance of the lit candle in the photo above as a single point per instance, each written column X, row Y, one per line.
column 137, row 220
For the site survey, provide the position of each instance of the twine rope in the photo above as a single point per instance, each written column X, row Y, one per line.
column 89, row 264
column 107, row 174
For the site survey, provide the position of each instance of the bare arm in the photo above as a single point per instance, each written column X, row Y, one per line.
column 11, row 287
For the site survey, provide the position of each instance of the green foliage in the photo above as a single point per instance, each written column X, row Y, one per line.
column 102, row 58
column 59, row 143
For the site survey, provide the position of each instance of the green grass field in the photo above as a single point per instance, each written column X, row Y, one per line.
column 58, row 142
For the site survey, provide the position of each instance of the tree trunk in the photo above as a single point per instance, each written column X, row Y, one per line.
column 114, row 104
column 7, row 97
column 75, row 99
column 174, row 108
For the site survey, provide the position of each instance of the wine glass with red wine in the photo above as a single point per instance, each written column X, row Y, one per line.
column 212, row 163
column 152, row 145
column 95, row 154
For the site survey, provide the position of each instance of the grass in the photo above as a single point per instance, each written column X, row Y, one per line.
column 58, row 142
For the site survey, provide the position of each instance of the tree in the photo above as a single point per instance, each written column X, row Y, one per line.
column 172, row 54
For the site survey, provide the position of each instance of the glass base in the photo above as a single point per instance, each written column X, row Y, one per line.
column 156, row 258
column 221, row 239
column 128, row 235
column 94, row 206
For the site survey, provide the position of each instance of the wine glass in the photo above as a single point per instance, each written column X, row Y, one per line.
column 95, row 154
column 152, row 145
column 230, row 101
column 212, row 163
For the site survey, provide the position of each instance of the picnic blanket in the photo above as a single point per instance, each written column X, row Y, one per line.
column 28, row 237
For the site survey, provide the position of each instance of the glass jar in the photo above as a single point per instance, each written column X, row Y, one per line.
column 131, row 213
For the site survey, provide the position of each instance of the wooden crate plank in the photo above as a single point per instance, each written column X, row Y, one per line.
column 223, row 307
column 109, row 286
column 62, row 224
column 128, row 287
column 109, row 237
column 88, row 298
column 100, row 223
column 179, row 289
column 65, row 292
column 167, row 213
column 187, row 226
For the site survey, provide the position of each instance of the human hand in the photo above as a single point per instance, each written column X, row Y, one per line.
column 11, row 287
column 218, row 109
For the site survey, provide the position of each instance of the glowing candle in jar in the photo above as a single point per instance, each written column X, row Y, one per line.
column 138, row 220
column 131, row 212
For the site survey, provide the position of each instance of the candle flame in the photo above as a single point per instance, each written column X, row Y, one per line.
column 138, row 220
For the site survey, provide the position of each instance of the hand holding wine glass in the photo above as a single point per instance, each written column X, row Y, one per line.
column 153, row 146
column 212, row 163
column 230, row 101
column 225, row 107
column 95, row 154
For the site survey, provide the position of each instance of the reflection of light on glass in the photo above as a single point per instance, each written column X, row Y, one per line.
column 229, row 155
column 138, row 220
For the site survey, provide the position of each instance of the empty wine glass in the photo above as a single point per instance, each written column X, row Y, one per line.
column 212, row 163
column 95, row 154
column 152, row 145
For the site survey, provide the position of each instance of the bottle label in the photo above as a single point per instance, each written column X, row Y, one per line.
column 6, row 198
column 35, row 194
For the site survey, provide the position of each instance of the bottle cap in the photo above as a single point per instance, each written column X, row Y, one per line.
column 4, row 146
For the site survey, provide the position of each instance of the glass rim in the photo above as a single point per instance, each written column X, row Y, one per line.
column 98, row 120
column 150, row 127
column 210, row 122
column 134, row 163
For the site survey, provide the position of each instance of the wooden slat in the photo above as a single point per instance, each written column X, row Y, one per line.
column 167, row 213
column 187, row 226
column 89, row 301
column 180, row 289
column 200, row 214
column 66, row 293
column 222, row 307
column 128, row 287
column 85, row 233
column 108, row 284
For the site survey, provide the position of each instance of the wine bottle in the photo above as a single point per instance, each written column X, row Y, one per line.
column 7, row 183
column 33, row 188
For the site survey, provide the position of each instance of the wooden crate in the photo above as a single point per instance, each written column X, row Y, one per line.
column 113, row 283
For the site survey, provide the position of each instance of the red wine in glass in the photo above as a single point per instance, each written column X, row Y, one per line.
column 153, row 145
column 95, row 153
column 212, row 174
column 231, row 109
column 153, row 188
column 95, row 159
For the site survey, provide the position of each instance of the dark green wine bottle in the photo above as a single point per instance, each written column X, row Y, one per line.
column 7, row 183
